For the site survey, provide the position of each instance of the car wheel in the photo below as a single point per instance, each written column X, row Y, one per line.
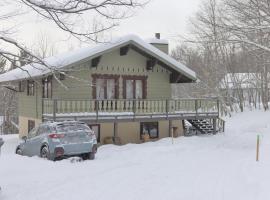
column 19, row 151
column 92, row 155
column 44, row 153
column 85, row 156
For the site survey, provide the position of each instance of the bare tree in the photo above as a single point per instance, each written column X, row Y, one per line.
column 8, row 102
column 249, row 25
column 43, row 46
column 71, row 16
column 232, row 36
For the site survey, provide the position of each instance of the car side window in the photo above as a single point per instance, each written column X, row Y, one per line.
column 44, row 129
column 32, row 133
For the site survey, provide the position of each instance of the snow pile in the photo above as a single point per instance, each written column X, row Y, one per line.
column 217, row 167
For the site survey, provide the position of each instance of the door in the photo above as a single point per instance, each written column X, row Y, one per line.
column 96, row 129
column 38, row 140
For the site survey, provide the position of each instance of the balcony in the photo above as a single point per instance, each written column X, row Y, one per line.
column 129, row 110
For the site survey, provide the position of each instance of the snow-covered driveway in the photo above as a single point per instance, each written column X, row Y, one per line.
column 220, row 167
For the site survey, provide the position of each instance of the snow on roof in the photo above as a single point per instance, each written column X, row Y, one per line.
column 241, row 80
column 157, row 41
column 70, row 58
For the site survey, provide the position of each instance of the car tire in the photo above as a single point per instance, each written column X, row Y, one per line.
column 91, row 155
column 88, row 156
column 45, row 153
column 19, row 151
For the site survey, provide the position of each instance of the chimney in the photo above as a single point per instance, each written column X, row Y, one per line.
column 162, row 45
column 157, row 36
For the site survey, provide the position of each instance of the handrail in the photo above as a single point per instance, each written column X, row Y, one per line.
column 154, row 99
column 132, row 106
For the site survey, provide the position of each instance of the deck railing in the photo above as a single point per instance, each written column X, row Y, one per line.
column 55, row 107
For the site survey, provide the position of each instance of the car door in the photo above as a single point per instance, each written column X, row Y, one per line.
column 39, row 139
column 28, row 146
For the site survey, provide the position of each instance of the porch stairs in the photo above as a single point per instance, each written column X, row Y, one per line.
column 202, row 126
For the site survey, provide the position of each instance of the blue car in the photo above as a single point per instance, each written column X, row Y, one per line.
column 58, row 140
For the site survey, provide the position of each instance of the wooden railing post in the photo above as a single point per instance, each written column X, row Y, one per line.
column 218, row 108
column 134, row 107
column 42, row 110
column 54, row 109
column 215, row 125
column 97, row 108
column 196, row 106
column 167, row 108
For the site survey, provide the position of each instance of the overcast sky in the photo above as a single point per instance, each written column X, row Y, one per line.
column 168, row 17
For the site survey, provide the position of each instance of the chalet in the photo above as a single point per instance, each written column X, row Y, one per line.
column 122, row 89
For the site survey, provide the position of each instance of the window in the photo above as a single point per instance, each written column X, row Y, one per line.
column 30, row 88
column 31, row 125
column 62, row 76
column 71, row 127
column 47, row 87
column 134, row 87
column 105, row 86
column 44, row 129
column 150, row 128
column 21, row 86
column 33, row 133
column 100, row 88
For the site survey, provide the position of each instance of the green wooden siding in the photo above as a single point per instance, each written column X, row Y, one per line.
column 158, row 84
column 31, row 106
column 162, row 47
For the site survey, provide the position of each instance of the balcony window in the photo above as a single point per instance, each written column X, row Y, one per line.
column 100, row 88
column 134, row 87
column 105, row 87
column 30, row 88
column 138, row 89
column 110, row 86
column 129, row 89
column 47, row 87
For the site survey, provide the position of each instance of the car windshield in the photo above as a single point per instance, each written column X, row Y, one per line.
column 71, row 127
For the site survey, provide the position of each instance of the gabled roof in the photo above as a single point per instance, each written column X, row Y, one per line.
column 84, row 54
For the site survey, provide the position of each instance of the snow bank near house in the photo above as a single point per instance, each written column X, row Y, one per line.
column 217, row 167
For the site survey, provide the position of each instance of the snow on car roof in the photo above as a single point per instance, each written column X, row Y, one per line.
column 69, row 58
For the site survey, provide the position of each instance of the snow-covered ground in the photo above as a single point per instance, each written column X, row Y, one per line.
column 220, row 167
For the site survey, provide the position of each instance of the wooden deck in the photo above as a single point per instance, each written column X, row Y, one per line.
column 119, row 110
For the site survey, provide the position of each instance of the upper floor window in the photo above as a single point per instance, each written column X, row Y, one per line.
column 105, row 86
column 47, row 87
column 134, row 87
column 21, row 86
column 30, row 88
